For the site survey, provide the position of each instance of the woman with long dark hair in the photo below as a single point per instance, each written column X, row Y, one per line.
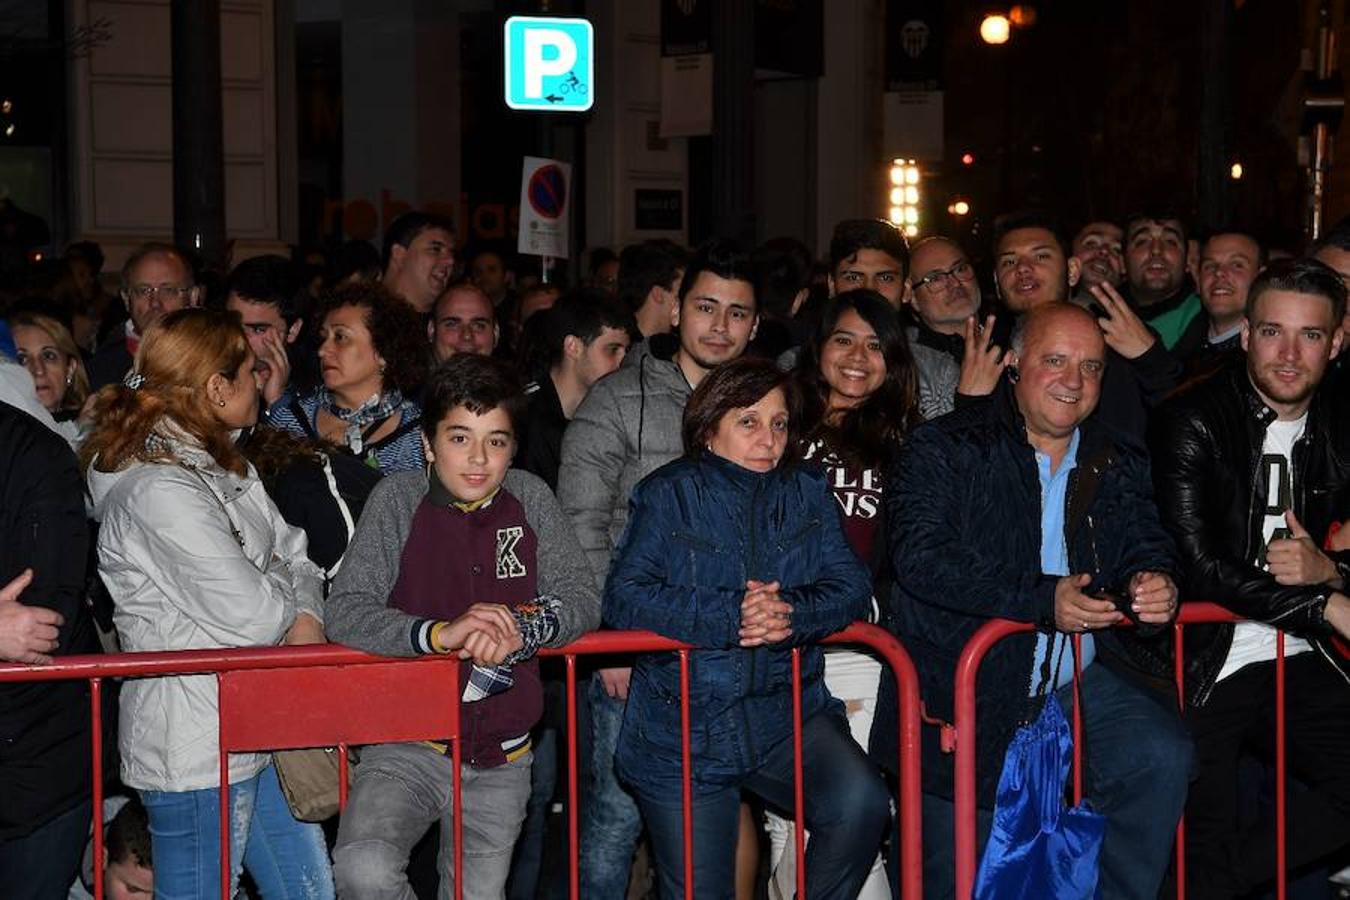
column 860, row 390
column 738, row 551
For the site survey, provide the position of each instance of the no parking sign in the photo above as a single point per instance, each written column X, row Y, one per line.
column 544, row 188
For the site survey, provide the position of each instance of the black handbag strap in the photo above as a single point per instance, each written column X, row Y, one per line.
column 1049, row 676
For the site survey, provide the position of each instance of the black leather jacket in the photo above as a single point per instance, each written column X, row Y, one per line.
column 1211, row 487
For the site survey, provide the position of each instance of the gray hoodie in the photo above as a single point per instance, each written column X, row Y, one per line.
column 627, row 427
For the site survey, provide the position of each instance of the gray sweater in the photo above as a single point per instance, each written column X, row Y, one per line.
column 627, row 427
column 357, row 612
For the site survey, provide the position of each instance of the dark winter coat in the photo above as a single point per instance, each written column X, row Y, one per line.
column 698, row 530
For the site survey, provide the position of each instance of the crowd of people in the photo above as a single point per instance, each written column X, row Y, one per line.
column 742, row 449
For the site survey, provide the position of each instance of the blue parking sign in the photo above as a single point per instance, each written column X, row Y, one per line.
column 549, row 64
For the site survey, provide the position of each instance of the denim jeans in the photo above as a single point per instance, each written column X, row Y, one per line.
column 852, row 678
column 287, row 859
column 939, row 845
column 42, row 864
column 612, row 823
column 846, row 805
column 523, row 883
column 397, row 791
column 1138, row 760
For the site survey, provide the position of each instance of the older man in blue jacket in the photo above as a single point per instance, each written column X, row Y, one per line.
column 1024, row 508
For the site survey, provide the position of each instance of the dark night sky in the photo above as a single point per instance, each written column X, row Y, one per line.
column 1094, row 111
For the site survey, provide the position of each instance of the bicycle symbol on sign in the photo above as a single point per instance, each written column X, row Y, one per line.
column 572, row 84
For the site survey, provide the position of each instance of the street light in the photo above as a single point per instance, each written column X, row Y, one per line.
column 905, row 196
column 995, row 29
column 1235, row 172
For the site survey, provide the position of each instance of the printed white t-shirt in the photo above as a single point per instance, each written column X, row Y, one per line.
column 1255, row 641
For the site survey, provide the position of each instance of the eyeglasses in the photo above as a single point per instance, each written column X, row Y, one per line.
column 938, row 278
column 167, row 291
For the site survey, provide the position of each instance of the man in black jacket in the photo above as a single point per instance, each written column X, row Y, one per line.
column 44, row 726
column 1025, row 508
column 587, row 335
column 1252, row 467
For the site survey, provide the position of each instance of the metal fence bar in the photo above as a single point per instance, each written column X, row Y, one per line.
column 573, row 832
column 798, row 789
column 96, row 764
column 1179, row 675
column 1281, row 851
column 964, row 792
column 96, row 668
column 686, row 778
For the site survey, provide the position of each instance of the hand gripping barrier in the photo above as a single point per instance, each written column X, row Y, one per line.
column 967, row 669
column 333, row 696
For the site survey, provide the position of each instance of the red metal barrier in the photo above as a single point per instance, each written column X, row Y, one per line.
column 964, row 788
column 322, row 687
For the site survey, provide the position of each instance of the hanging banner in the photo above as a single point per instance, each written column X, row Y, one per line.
column 914, row 36
column 545, row 189
column 686, row 95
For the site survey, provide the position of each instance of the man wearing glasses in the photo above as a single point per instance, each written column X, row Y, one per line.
column 156, row 280
column 944, row 293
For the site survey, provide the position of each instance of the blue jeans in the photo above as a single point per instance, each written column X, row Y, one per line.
column 846, row 805
column 612, row 824
column 286, row 858
column 42, row 864
column 523, row 883
column 1138, row 759
column 939, row 845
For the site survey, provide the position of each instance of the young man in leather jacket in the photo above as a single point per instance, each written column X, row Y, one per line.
column 1251, row 469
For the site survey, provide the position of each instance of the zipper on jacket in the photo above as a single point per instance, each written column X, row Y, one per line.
column 1327, row 656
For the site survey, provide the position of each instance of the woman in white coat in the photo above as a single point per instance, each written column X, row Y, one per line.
column 196, row 556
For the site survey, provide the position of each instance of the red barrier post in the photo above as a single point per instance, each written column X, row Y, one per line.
column 1179, row 673
column 686, row 765
column 967, row 668
column 96, row 763
column 1281, row 853
column 457, row 812
column 798, row 793
column 573, row 835
column 224, row 796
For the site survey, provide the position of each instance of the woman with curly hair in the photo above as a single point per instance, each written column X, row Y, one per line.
column 372, row 353
column 196, row 556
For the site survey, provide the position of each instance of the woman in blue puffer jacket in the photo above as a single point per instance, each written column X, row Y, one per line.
column 732, row 552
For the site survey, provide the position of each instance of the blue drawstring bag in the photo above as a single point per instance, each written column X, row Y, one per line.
column 1039, row 848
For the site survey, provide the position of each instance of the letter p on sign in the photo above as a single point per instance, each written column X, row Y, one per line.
column 549, row 64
